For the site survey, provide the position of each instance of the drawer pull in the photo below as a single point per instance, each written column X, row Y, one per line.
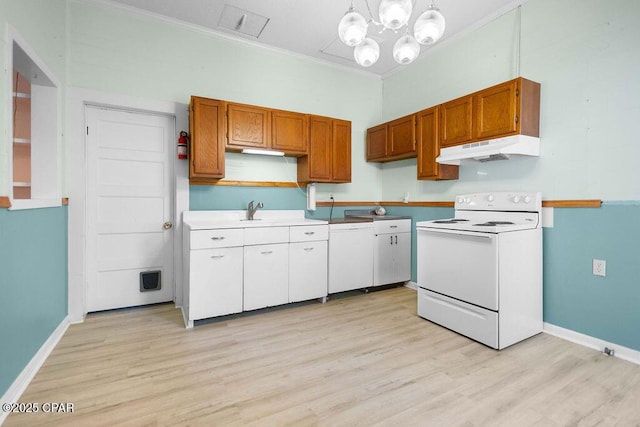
column 217, row 256
column 266, row 252
column 393, row 226
column 309, row 233
column 308, row 249
column 217, row 238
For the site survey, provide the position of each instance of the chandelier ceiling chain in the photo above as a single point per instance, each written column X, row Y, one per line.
column 393, row 15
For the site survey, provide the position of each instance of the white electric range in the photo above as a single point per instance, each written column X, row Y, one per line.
column 480, row 273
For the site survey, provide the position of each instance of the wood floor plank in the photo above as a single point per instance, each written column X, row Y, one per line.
column 360, row 359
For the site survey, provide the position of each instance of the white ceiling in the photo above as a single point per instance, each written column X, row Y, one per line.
column 310, row 27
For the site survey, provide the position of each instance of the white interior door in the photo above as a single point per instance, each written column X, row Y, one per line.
column 129, row 207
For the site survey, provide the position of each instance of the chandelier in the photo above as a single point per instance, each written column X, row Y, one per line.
column 393, row 15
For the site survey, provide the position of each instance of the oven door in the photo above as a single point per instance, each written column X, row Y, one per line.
column 460, row 264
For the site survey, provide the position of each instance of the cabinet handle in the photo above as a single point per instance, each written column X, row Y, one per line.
column 308, row 249
column 217, row 256
column 517, row 119
column 393, row 226
column 217, row 238
column 391, row 240
column 396, row 240
column 309, row 233
column 266, row 252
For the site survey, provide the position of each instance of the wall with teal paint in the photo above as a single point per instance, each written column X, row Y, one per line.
column 585, row 55
column 154, row 59
column 33, row 284
column 212, row 197
column 33, row 243
column 575, row 299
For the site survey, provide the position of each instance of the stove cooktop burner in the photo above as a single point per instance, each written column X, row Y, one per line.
column 449, row 221
column 494, row 223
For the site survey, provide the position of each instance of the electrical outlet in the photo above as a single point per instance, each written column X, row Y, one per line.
column 599, row 267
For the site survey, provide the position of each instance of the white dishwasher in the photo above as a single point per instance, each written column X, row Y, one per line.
column 350, row 255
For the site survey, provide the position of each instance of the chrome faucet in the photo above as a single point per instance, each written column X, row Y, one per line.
column 251, row 210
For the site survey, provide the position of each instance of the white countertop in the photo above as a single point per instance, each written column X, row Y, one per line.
column 204, row 220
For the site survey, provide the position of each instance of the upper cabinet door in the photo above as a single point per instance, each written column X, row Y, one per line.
column 428, row 144
column 206, row 150
column 290, row 132
column 377, row 142
column 457, row 124
column 401, row 137
column 496, row 110
column 429, row 147
column 341, row 151
column 320, row 148
column 248, row 126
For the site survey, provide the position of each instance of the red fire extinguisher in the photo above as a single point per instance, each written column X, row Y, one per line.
column 182, row 145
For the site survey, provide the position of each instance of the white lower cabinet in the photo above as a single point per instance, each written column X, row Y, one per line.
column 266, row 275
column 392, row 252
column 215, row 282
column 238, row 269
column 307, row 270
column 350, row 256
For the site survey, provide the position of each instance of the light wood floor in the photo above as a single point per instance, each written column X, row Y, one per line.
column 366, row 359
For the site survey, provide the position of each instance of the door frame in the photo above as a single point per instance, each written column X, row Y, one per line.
column 77, row 101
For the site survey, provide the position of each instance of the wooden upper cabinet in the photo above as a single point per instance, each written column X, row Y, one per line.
column 206, row 149
column 428, row 131
column 321, row 148
column 289, row 132
column 457, row 121
column 509, row 108
column 341, row 162
column 248, row 127
column 377, row 142
column 394, row 140
column 329, row 158
column 401, row 137
column 495, row 110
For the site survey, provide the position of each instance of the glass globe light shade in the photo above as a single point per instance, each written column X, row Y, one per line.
column 429, row 26
column 406, row 50
column 367, row 53
column 395, row 13
column 352, row 28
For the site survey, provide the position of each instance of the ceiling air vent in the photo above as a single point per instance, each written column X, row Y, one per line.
column 242, row 21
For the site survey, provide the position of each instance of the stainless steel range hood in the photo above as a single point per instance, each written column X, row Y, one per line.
column 494, row 149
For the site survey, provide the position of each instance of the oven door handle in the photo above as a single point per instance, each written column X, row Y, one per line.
column 456, row 233
column 468, row 311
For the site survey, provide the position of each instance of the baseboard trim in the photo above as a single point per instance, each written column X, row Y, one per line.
column 411, row 285
column 621, row 352
column 20, row 384
column 188, row 324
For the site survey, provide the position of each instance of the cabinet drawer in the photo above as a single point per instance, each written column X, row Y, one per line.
column 307, row 233
column 266, row 235
column 219, row 238
column 474, row 322
column 392, row 226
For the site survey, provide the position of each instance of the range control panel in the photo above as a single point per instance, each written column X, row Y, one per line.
column 500, row 201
